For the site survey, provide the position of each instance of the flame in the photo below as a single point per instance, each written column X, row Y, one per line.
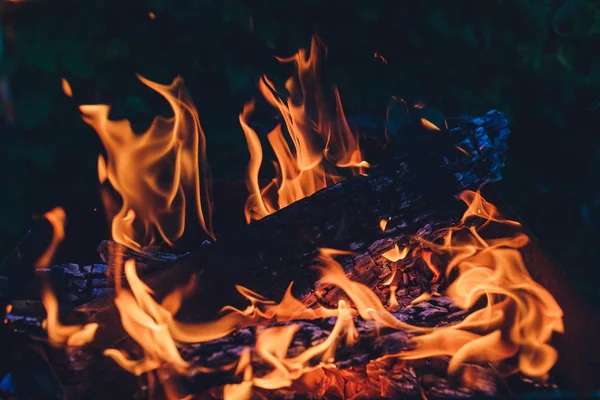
column 429, row 125
column 395, row 254
column 376, row 55
column 156, row 171
column 520, row 315
column 57, row 218
column 383, row 224
column 511, row 330
column 320, row 143
column 59, row 334
column 153, row 326
column 66, row 87
column 102, row 174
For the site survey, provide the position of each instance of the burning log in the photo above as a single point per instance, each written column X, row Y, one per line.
column 414, row 192
column 373, row 343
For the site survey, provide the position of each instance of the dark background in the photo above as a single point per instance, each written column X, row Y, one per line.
column 537, row 61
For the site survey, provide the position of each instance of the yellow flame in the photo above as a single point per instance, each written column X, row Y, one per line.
column 156, row 172
column 429, row 125
column 57, row 218
column 320, row 143
column 395, row 254
column 66, row 87
column 59, row 334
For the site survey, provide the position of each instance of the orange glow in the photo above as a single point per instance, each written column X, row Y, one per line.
column 322, row 142
column 395, row 254
column 429, row 125
column 383, row 224
column 518, row 320
column 57, row 219
column 426, row 256
column 59, row 334
column 511, row 330
column 380, row 57
column 151, row 15
column 520, row 315
column 66, row 87
column 156, row 172
column 152, row 324
column 102, row 174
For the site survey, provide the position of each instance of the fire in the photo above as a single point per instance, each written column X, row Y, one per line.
column 429, row 125
column 395, row 254
column 510, row 329
column 511, row 317
column 59, row 334
column 57, row 218
column 520, row 315
column 153, row 326
column 66, row 87
column 155, row 173
column 322, row 144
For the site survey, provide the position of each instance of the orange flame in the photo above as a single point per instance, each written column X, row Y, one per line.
column 102, row 174
column 395, row 254
column 66, row 87
column 152, row 324
column 59, row 334
column 155, row 171
column 429, row 125
column 511, row 331
column 57, row 219
column 520, row 315
column 320, row 143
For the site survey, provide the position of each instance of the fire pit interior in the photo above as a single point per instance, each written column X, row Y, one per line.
column 376, row 260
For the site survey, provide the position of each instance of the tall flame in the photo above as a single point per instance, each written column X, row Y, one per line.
column 59, row 334
column 155, row 172
column 320, row 137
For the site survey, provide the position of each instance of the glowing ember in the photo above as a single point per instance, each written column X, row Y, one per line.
column 321, row 142
column 155, row 172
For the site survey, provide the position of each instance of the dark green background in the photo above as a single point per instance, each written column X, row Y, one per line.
column 537, row 61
